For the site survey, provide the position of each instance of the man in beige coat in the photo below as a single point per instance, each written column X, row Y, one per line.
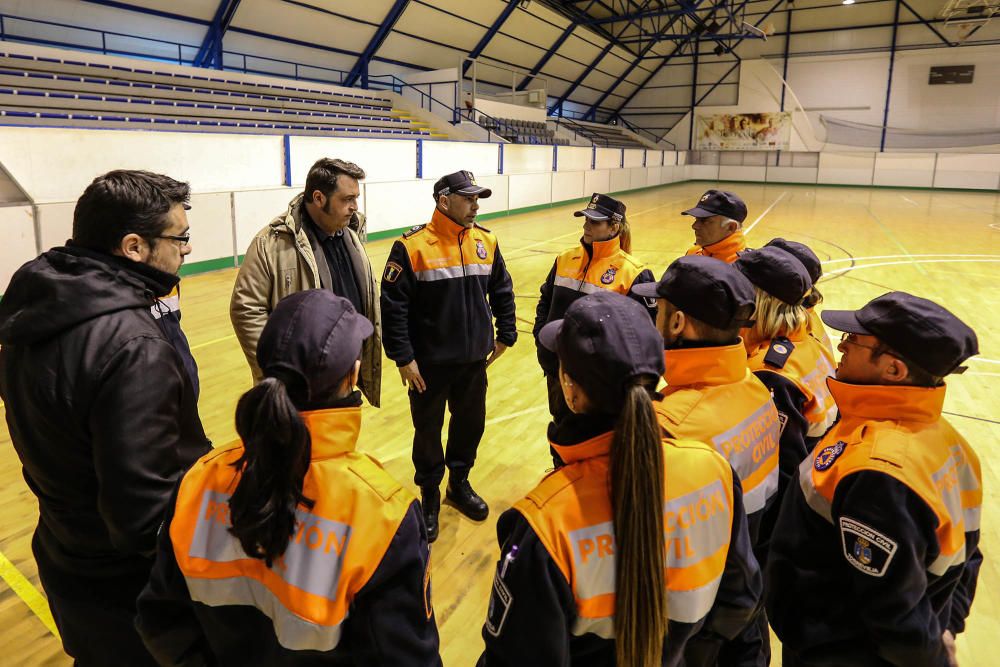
column 314, row 244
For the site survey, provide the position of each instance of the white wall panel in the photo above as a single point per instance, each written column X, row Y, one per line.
column 56, row 222
column 619, row 180
column 574, row 158
column 498, row 200
column 981, row 172
column 18, row 230
column 209, row 162
column 653, row 175
column 609, row 158
column 904, row 169
column 446, row 157
column 846, row 168
column 596, row 181
column 529, row 190
column 633, row 157
column 382, row 159
column 211, row 223
column 568, row 185
column 708, row 172
column 394, row 205
column 526, row 159
column 636, row 178
column 792, row 174
column 254, row 209
column 734, row 173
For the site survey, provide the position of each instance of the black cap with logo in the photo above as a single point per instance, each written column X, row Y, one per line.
column 604, row 341
column 719, row 202
column 803, row 253
column 603, row 207
column 776, row 272
column 461, row 183
column 920, row 330
column 310, row 342
column 706, row 289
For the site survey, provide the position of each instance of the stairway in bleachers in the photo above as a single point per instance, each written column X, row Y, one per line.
column 610, row 136
column 76, row 92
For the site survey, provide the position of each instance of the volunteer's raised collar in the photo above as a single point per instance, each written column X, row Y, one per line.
column 797, row 336
column 727, row 247
column 688, row 366
column 333, row 431
column 588, row 449
column 602, row 249
column 892, row 403
column 442, row 224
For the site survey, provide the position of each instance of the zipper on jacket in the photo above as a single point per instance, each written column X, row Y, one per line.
column 465, row 291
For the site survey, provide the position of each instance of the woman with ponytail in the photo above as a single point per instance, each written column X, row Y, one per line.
column 635, row 553
column 288, row 546
column 602, row 260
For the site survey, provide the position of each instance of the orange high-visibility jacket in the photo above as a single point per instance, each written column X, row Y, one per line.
column 728, row 249
column 553, row 595
column 879, row 536
column 818, row 331
column 712, row 396
column 352, row 583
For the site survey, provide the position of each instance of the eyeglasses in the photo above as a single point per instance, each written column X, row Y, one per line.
column 183, row 240
column 850, row 339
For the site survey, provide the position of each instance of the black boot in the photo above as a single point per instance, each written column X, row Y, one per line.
column 465, row 500
column 430, row 503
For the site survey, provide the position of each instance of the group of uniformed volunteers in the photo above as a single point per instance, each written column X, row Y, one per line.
column 717, row 472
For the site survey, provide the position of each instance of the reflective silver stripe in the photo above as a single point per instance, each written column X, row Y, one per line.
column 946, row 481
column 943, row 562
column 693, row 605
column 576, row 285
column 971, row 516
column 450, row 272
column 603, row 627
column 816, row 381
column 292, row 631
column 168, row 304
column 312, row 562
column 593, row 560
column 967, row 482
column 698, row 525
column 748, row 446
column 813, row 497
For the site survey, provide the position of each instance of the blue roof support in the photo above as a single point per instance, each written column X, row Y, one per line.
column 552, row 50
column 210, row 51
column 888, row 85
column 360, row 69
column 490, row 33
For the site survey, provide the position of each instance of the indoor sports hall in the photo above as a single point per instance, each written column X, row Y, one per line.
column 868, row 130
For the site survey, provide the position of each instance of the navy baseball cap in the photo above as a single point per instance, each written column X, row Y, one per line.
column 803, row 253
column 461, row 183
column 776, row 272
column 604, row 341
column 603, row 207
column 920, row 330
column 310, row 342
column 719, row 202
column 707, row 290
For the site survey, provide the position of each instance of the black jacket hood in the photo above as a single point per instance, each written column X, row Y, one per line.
column 66, row 286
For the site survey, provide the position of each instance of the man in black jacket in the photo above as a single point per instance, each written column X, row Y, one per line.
column 101, row 405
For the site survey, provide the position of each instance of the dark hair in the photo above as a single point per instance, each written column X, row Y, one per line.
column 124, row 202
column 276, row 453
column 323, row 176
column 814, row 298
column 915, row 376
column 637, row 504
column 704, row 331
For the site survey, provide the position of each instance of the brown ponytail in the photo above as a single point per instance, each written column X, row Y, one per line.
column 637, row 502
column 625, row 236
column 276, row 452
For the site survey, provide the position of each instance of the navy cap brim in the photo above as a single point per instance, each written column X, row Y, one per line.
column 648, row 290
column 699, row 212
column 844, row 320
column 549, row 335
column 484, row 193
column 593, row 214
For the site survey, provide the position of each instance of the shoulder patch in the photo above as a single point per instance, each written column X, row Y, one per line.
column 552, row 484
column 828, row 455
column 413, row 230
column 866, row 548
column 392, row 272
column 890, row 445
column 778, row 353
column 375, row 477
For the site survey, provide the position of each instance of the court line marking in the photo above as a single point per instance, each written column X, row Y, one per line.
column 515, row 415
column 894, row 239
column 212, row 342
column 995, row 225
column 28, row 593
column 907, row 199
column 766, row 211
column 926, row 261
column 996, row 375
column 941, row 254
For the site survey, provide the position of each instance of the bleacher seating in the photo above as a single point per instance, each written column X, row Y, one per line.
column 57, row 91
column 522, row 131
column 610, row 136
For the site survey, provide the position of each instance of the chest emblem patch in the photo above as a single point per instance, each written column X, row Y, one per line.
column 609, row 275
column 480, row 249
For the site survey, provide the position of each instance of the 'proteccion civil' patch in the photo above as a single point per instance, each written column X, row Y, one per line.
column 865, row 548
column 500, row 602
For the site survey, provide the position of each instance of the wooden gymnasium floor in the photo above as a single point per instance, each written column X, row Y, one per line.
column 941, row 245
